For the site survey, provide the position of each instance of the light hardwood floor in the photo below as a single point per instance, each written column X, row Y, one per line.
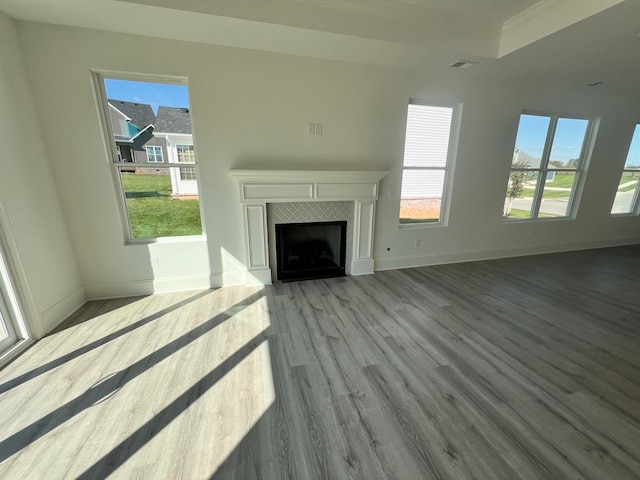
column 524, row 368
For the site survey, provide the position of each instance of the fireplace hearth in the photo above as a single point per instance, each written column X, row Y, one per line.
column 310, row 250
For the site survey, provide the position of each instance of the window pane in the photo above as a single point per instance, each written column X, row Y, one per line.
column 628, row 184
column 185, row 154
column 156, row 205
column 421, row 198
column 567, row 143
column 532, row 134
column 148, row 117
column 633, row 157
column 626, row 192
column 556, row 194
column 520, row 190
column 154, row 154
column 187, row 173
column 427, row 137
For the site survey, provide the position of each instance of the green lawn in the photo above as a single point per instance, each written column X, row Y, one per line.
column 556, row 194
column 418, row 220
column 153, row 212
column 515, row 213
column 562, row 180
column 629, row 177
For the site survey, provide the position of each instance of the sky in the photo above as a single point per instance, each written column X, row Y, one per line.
column 155, row 94
column 568, row 138
column 633, row 159
column 567, row 142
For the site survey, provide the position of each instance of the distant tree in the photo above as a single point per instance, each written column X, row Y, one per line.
column 556, row 163
column 573, row 163
column 516, row 185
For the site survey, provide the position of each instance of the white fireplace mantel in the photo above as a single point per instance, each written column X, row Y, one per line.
column 259, row 187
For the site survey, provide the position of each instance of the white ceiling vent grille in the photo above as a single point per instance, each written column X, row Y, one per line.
column 463, row 64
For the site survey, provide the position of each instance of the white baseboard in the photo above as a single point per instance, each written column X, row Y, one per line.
column 58, row 312
column 394, row 263
column 362, row 267
column 119, row 290
column 180, row 284
column 228, row 279
column 258, row 277
column 148, row 287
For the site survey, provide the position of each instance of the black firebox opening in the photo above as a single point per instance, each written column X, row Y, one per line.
column 310, row 250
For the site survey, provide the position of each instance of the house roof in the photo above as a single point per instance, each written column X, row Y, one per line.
column 120, row 124
column 173, row 120
column 141, row 114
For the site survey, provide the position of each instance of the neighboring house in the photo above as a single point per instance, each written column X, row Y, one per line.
column 133, row 127
column 155, row 139
column 140, row 114
column 522, row 157
column 174, row 126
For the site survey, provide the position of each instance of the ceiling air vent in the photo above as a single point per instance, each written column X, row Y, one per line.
column 463, row 64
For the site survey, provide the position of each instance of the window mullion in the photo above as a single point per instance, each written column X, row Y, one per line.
column 122, row 201
column 635, row 203
column 544, row 166
column 537, row 201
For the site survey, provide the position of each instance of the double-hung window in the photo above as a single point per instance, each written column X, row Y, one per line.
column 626, row 200
column 428, row 157
column 548, row 161
column 186, row 155
column 158, row 198
column 154, row 154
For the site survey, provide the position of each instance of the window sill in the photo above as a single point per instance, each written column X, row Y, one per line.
column 530, row 220
column 167, row 240
column 412, row 226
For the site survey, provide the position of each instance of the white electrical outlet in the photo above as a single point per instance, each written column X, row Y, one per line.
column 155, row 263
column 318, row 129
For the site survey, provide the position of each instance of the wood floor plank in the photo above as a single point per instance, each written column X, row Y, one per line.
column 524, row 368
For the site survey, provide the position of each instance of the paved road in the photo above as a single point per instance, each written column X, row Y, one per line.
column 558, row 207
column 552, row 207
column 623, row 201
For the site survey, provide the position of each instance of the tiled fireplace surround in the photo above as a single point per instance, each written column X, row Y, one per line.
column 271, row 197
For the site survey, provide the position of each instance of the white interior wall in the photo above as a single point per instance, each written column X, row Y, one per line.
column 250, row 110
column 35, row 215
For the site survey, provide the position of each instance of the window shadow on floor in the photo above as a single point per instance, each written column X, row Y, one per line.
column 25, row 377
column 113, row 383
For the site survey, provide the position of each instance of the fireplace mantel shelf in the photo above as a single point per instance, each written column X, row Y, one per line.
column 307, row 185
column 260, row 187
column 313, row 176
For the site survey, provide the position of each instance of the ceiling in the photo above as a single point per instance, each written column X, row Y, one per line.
column 568, row 42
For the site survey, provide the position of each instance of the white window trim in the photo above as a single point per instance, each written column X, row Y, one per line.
column 580, row 171
column 176, row 145
column 17, row 294
column 635, row 202
column 452, row 155
column 102, row 105
column 155, row 154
